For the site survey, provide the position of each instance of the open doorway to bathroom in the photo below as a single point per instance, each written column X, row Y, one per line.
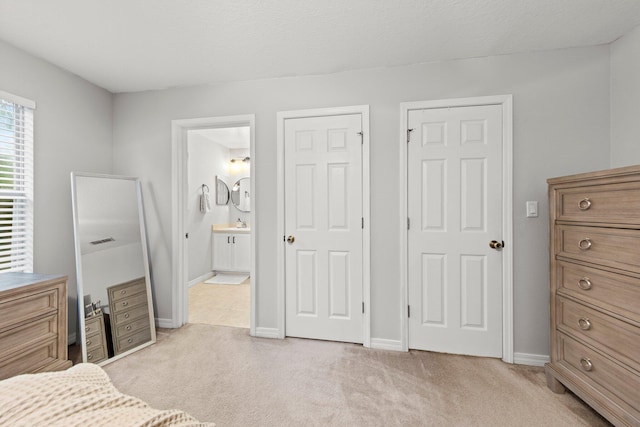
column 217, row 251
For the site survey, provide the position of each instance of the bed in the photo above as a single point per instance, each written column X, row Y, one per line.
column 83, row 395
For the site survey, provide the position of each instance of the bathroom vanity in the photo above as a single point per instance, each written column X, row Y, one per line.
column 231, row 248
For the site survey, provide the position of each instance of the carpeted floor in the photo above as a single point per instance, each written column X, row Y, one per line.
column 220, row 374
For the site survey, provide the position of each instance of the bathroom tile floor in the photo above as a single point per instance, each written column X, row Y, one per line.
column 226, row 305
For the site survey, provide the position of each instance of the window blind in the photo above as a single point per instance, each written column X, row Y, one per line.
column 16, row 184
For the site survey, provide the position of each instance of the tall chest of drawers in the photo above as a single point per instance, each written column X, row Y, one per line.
column 130, row 322
column 33, row 323
column 595, row 290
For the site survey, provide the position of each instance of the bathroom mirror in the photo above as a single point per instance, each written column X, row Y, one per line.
column 222, row 192
column 240, row 196
column 115, row 307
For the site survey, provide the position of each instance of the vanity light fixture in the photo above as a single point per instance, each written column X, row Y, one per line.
column 240, row 159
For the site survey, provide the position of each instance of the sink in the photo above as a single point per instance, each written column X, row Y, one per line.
column 224, row 229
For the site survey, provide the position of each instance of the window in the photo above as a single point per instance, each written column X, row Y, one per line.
column 16, row 183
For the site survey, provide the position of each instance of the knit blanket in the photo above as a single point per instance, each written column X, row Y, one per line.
column 80, row 396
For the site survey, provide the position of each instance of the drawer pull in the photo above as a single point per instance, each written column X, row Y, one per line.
column 130, row 340
column 586, row 364
column 128, row 328
column 87, row 328
column 584, row 323
column 124, row 291
column 126, row 315
column 584, row 204
column 126, row 303
column 585, row 244
column 584, row 284
column 89, row 356
column 88, row 342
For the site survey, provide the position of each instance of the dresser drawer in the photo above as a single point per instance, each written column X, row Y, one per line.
column 126, row 343
column 17, row 310
column 28, row 335
column 604, row 246
column 31, row 360
column 130, row 302
column 119, row 292
column 131, row 314
column 607, row 203
column 132, row 327
column 619, row 339
column 599, row 371
column 96, row 354
column 613, row 292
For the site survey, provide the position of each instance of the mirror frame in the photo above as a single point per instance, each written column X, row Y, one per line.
column 145, row 258
column 231, row 194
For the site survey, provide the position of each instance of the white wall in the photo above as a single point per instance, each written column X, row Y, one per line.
column 73, row 132
column 105, row 268
column 561, row 126
column 206, row 160
column 625, row 100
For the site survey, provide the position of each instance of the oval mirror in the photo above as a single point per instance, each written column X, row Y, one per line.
column 240, row 196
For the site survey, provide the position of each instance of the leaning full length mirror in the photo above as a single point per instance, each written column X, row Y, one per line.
column 114, row 294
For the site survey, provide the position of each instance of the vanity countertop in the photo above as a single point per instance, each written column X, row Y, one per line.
column 229, row 228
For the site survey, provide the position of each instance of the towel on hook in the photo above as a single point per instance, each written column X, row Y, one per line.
column 205, row 203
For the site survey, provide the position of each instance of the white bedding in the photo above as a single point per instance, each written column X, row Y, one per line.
column 82, row 395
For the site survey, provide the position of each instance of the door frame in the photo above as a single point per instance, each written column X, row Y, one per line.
column 506, row 101
column 366, row 212
column 179, row 193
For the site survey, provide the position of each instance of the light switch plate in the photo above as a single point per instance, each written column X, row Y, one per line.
column 532, row 209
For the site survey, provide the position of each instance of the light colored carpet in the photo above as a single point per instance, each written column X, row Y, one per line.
column 227, row 279
column 220, row 304
column 222, row 375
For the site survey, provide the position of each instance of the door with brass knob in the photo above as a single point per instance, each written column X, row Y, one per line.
column 455, row 209
column 323, row 211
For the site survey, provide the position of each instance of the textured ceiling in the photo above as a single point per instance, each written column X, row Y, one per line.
column 134, row 45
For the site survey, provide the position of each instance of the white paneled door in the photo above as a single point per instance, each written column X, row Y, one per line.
column 455, row 192
column 323, row 227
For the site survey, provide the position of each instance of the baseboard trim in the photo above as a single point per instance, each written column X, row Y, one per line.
column 202, row 278
column 164, row 323
column 71, row 338
column 530, row 359
column 267, row 332
column 385, row 344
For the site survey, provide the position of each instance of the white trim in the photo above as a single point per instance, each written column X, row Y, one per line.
column 202, row 278
column 267, row 332
column 363, row 110
column 384, row 344
column 164, row 323
column 125, row 354
column 506, row 101
column 25, row 102
column 530, row 359
column 179, row 128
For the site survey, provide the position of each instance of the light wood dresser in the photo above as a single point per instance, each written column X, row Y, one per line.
column 129, row 312
column 595, row 290
column 33, row 323
column 95, row 338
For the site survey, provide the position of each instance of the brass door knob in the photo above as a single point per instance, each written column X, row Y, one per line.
column 291, row 239
column 494, row 244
